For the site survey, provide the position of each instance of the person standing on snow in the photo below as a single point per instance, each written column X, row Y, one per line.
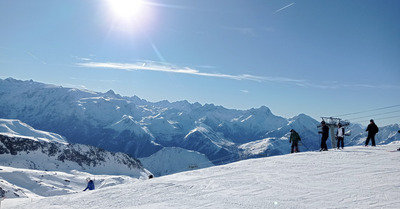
column 340, row 136
column 90, row 184
column 372, row 131
column 324, row 138
column 399, row 147
column 294, row 139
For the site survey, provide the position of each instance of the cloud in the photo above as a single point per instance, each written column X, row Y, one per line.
column 83, row 58
column 36, row 58
column 165, row 67
column 170, row 68
column 242, row 30
column 285, row 7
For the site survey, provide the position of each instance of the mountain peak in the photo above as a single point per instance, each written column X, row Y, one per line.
column 111, row 92
column 265, row 109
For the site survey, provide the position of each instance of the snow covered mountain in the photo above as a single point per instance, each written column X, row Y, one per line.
column 141, row 128
column 173, row 160
column 16, row 128
column 22, row 148
column 42, row 155
column 357, row 177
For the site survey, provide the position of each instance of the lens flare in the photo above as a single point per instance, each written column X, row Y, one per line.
column 126, row 10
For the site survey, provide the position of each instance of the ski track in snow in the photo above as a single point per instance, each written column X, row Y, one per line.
column 356, row 177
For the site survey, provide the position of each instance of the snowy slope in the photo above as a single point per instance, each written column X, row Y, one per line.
column 174, row 159
column 37, row 163
column 357, row 177
column 28, row 183
column 16, row 128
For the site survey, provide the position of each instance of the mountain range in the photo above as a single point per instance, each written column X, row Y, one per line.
column 216, row 135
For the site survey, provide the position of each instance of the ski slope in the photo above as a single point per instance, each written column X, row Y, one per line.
column 356, row 177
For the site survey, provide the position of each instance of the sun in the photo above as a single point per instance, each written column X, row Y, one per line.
column 126, row 10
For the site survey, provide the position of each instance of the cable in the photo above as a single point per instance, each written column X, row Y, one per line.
column 374, row 115
column 382, row 108
column 397, row 116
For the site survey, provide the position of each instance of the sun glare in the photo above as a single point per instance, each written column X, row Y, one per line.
column 126, row 10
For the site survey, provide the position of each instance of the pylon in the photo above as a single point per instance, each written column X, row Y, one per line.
column 332, row 123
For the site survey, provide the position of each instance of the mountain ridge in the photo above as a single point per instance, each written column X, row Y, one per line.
column 98, row 119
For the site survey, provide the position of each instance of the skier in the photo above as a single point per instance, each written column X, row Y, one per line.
column 399, row 147
column 340, row 136
column 294, row 139
column 324, row 138
column 90, row 184
column 372, row 130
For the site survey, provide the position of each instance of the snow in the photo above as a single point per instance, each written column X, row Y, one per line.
column 33, row 184
column 22, row 146
column 127, row 123
column 174, row 159
column 112, row 163
column 356, row 177
column 16, row 128
column 141, row 128
column 256, row 147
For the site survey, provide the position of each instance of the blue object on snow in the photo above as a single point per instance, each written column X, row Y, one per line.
column 90, row 185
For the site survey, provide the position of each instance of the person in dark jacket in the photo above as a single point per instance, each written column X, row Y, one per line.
column 294, row 139
column 399, row 147
column 324, row 138
column 372, row 129
column 90, row 184
column 340, row 136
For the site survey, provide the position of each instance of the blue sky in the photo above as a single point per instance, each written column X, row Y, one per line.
column 318, row 57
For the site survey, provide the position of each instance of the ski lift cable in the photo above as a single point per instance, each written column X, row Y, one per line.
column 371, row 110
column 397, row 116
column 374, row 115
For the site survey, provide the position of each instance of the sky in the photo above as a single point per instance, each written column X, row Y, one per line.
column 318, row 57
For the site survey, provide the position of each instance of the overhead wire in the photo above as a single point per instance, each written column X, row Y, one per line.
column 390, row 117
column 371, row 110
column 374, row 115
column 361, row 113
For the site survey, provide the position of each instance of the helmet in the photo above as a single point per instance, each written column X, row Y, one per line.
column 88, row 179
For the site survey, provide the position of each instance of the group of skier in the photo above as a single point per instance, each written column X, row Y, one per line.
column 372, row 130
